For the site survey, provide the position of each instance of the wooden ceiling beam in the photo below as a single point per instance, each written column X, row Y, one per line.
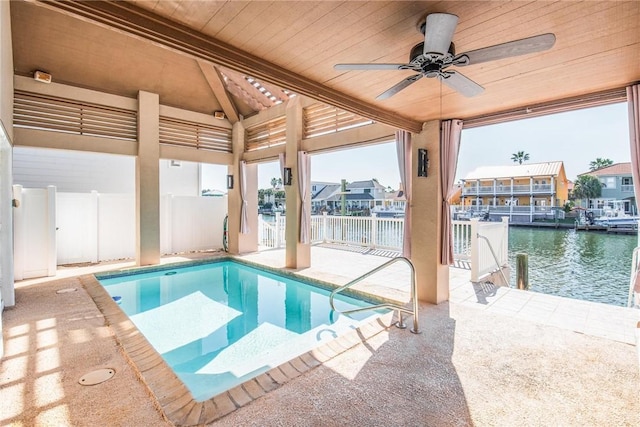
column 134, row 21
column 214, row 79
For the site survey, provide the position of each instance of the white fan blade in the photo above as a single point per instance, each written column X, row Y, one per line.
column 371, row 66
column 438, row 33
column 461, row 83
column 399, row 86
column 509, row 49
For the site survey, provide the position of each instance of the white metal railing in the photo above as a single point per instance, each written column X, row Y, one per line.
column 535, row 212
column 461, row 235
column 271, row 233
column 521, row 188
column 387, row 233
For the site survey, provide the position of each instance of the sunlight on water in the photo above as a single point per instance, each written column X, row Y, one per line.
column 583, row 265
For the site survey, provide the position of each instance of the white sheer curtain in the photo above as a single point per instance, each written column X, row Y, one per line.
column 304, row 168
column 403, row 148
column 633, row 101
column 281, row 159
column 449, row 147
column 244, row 215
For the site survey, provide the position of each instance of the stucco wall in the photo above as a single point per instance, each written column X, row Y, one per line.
column 6, row 69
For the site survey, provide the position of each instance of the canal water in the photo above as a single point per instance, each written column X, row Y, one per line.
column 583, row 265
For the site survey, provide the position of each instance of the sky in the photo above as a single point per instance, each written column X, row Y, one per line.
column 576, row 138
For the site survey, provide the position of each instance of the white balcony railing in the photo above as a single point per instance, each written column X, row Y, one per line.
column 495, row 212
column 387, row 233
column 508, row 189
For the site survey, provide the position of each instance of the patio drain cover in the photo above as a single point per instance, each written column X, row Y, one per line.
column 96, row 377
column 66, row 290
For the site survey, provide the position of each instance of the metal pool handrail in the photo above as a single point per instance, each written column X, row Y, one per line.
column 414, row 296
column 495, row 258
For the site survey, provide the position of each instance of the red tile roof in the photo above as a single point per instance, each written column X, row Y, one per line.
column 614, row 169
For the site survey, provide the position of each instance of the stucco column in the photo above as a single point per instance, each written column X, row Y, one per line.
column 426, row 216
column 298, row 255
column 241, row 243
column 7, row 289
column 148, row 180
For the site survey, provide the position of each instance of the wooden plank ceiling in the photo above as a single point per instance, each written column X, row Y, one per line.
column 160, row 46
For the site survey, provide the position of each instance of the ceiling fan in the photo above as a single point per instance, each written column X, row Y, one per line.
column 436, row 54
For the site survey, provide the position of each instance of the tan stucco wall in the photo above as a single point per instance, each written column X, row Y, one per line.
column 6, row 69
column 148, row 181
column 426, row 217
column 562, row 187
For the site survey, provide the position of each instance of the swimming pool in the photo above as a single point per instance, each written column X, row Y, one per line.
column 222, row 323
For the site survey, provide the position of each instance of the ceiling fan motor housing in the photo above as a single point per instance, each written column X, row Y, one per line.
column 417, row 50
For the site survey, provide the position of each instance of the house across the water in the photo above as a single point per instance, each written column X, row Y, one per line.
column 523, row 192
column 617, row 185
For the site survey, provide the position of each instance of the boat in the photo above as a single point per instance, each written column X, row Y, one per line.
column 613, row 215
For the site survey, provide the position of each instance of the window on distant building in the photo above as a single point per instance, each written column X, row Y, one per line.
column 608, row 182
column 627, row 180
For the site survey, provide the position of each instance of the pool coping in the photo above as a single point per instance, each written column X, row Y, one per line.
column 172, row 397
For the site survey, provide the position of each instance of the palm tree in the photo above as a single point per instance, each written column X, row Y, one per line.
column 599, row 164
column 586, row 187
column 274, row 182
column 520, row 157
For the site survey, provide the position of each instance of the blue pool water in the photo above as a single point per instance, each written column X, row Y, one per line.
column 220, row 324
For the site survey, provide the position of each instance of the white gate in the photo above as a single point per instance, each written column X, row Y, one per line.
column 77, row 224
column 34, row 232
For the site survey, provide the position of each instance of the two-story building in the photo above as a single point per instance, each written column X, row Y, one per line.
column 617, row 185
column 523, row 192
column 359, row 196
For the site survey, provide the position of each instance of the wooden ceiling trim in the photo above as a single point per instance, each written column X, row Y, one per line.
column 214, row 79
column 138, row 22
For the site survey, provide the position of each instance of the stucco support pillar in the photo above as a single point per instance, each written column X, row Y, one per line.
column 426, row 216
column 242, row 243
column 7, row 288
column 148, row 180
column 298, row 255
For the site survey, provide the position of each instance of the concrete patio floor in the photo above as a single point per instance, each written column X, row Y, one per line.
column 489, row 356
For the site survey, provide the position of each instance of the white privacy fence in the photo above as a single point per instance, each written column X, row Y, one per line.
column 92, row 227
column 68, row 228
column 387, row 233
column 191, row 223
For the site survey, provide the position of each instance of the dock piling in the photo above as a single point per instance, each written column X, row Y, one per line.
column 522, row 271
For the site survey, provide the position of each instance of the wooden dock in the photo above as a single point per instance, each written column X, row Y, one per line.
column 622, row 229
